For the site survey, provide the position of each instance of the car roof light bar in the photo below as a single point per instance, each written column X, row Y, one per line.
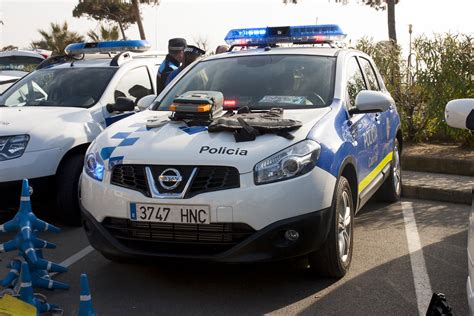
column 107, row 47
column 304, row 34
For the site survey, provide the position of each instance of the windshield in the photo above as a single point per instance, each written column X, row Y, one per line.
column 262, row 82
column 19, row 63
column 67, row 87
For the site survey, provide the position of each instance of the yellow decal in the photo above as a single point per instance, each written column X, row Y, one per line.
column 371, row 176
column 11, row 306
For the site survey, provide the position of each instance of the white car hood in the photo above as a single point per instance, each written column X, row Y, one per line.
column 47, row 126
column 131, row 143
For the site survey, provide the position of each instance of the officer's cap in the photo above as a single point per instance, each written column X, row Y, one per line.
column 191, row 49
column 177, row 44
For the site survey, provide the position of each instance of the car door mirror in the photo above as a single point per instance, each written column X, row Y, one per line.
column 145, row 102
column 368, row 101
column 122, row 104
column 459, row 113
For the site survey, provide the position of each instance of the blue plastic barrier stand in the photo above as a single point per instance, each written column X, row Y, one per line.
column 25, row 221
column 26, row 292
column 29, row 245
column 85, row 306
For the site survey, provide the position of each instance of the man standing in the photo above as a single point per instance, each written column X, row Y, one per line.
column 172, row 61
column 191, row 53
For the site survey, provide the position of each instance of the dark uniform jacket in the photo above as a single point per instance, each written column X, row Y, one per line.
column 169, row 64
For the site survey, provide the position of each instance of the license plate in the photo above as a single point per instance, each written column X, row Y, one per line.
column 170, row 213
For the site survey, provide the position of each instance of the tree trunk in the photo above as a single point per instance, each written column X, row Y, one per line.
column 136, row 11
column 392, row 32
column 122, row 31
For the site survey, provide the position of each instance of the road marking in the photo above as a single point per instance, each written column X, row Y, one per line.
column 75, row 258
column 421, row 279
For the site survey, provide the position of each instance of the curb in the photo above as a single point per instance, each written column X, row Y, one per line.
column 437, row 194
column 438, row 165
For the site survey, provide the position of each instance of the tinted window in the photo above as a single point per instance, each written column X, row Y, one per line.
column 19, row 63
column 370, row 74
column 263, row 82
column 69, row 87
column 134, row 85
column 355, row 81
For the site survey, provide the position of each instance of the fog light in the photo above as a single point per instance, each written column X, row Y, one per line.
column 292, row 235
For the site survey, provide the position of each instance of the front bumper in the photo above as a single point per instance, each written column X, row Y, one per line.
column 30, row 165
column 267, row 244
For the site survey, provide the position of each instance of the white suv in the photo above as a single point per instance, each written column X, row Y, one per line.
column 49, row 118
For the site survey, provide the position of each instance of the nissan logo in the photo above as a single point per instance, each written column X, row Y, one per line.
column 170, row 179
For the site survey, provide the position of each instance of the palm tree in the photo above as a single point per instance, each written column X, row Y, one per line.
column 57, row 38
column 105, row 34
column 136, row 11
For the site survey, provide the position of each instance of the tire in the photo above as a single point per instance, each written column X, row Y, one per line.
column 334, row 257
column 391, row 189
column 67, row 188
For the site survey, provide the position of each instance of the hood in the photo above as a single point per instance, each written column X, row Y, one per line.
column 174, row 143
column 47, row 126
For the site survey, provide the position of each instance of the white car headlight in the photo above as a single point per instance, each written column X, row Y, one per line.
column 93, row 164
column 288, row 163
column 12, row 147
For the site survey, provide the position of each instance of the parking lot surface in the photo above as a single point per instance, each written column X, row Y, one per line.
column 380, row 280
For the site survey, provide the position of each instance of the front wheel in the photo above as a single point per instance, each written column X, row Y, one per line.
column 391, row 189
column 67, row 190
column 334, row 257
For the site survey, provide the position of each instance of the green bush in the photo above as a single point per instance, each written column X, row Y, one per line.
column 444, row 70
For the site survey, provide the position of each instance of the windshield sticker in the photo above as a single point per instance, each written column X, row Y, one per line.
column 222, row 151
column 283, row 99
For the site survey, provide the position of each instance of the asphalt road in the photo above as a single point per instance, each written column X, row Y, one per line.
column 380, row 280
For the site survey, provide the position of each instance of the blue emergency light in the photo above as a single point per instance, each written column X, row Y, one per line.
column 305, row 34
column 107, row 47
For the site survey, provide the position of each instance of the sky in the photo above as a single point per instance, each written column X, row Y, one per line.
column 210, row 20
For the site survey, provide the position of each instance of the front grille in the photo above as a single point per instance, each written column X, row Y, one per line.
column 207, row 178
column 131, row 177
column 210, row 179
column 168, row 238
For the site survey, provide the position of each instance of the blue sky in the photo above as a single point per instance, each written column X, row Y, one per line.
column 211, row 19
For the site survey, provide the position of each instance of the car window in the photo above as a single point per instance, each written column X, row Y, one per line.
column 19, row 63
column 369, row 74
column 66, row 87
column 355, row 81
column 263, row 82
column 134, row 85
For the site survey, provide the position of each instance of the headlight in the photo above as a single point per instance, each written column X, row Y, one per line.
column 93, row 164
column 288, row 163
column 12, row 147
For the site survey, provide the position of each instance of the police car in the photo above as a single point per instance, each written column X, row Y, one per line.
column 49, row 118
column 460, row 114
column 157, row 185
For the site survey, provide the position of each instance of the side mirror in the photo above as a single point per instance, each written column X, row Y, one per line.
column 122, row 104
column 460, row 113
column 145, row 102
column 368, row 101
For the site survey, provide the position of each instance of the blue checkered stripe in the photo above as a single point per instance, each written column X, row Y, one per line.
column 123, row 139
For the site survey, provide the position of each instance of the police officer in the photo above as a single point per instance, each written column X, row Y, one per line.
column 172, row 61
column 191, row 53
